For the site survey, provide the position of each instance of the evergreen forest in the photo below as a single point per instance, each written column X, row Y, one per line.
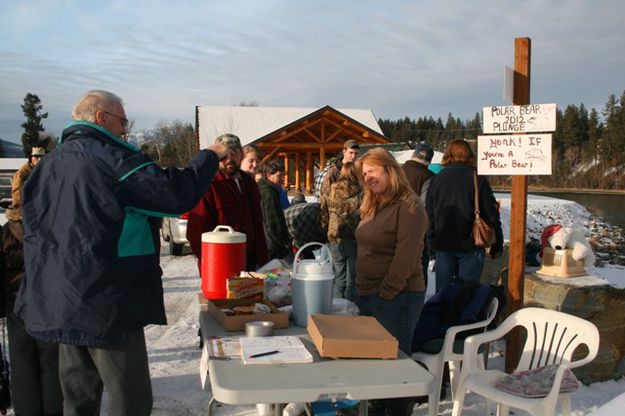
column 589, row 145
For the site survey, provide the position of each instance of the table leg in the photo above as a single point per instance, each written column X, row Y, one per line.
column 210, row 404
column 363, row 409
column 432, row 410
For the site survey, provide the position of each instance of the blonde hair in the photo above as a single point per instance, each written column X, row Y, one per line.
column 93, row 101
column 399, row 188
column 458, row 151
column 252, row 148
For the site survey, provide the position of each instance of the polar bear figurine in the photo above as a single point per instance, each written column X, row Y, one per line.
column 558, row 238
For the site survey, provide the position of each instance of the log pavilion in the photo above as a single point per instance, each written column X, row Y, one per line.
column 304, row 138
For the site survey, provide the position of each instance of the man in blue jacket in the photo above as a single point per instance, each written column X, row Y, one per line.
column 91, row 249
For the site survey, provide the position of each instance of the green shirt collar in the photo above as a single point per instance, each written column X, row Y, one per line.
column 101, row 130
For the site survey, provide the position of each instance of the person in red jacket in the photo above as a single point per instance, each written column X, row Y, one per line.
column 233, row 199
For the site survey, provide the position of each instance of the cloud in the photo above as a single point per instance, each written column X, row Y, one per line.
column 398, row 58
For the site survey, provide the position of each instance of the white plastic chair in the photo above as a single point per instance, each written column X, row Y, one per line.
column 551, row 337
column 436, row 362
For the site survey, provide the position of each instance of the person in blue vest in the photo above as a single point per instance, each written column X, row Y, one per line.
column 91, row 250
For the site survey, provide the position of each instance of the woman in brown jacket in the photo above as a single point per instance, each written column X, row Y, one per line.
column 389, row 277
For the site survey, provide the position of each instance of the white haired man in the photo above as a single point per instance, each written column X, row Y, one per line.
column 91, row 248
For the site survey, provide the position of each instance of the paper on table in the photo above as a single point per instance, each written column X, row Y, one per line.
column 224, row 347
column 204, row 365
column 290, row 349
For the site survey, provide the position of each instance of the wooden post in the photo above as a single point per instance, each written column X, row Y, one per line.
column 518, row 208
column 322, row 158
column 297, row 176
column 286, row 171
column 309, row 172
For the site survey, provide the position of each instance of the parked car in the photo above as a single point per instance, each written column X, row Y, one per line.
column 174, row 231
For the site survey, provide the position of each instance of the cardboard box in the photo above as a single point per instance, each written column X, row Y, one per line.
column 341, row 336
column 237, row 322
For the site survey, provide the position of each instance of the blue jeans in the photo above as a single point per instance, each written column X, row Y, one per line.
column 344, row 260
column 452, row 265
column 398, row 315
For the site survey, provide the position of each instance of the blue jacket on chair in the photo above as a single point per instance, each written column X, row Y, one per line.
column 455, row 304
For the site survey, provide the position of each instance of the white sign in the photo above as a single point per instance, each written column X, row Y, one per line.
column 520, row 154
column 520, row 118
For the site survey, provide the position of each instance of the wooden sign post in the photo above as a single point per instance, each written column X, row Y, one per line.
column 518, row 209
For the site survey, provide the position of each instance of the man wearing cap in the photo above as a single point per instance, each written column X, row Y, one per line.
column 233, row 199
column 418, row 174
column 91, row 249
column 332, row 172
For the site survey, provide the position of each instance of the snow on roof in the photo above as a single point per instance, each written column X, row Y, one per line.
column 8, row 163
column 252, row 123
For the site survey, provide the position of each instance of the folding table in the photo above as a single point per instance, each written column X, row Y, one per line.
column 232, row 382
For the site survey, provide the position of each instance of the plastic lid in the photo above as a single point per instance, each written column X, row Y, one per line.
column 224, row 234
column 313, row 267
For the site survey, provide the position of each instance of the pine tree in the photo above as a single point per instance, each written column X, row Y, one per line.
column 32, row 109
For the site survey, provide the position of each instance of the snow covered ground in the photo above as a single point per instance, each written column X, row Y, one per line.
column 174, row 354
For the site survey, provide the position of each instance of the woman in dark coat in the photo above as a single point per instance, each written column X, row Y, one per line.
column 450, row 205
column 35, row 386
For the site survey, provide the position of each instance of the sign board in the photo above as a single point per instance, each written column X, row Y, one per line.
column 520, row 118
column 519, row 154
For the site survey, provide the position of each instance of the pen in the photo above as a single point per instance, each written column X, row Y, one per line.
column 262, row 354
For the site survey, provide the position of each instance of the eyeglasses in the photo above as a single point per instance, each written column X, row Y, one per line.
column 124, row 121
column 37, row 156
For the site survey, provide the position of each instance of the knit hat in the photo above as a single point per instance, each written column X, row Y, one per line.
column 423, row 152
column 298, row 198
column 544, row 237
column 230, row 141
column 38, row 151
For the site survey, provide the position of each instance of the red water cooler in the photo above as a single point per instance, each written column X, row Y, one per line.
column 223, row 256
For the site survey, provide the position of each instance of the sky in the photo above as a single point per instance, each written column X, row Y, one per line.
column 397, row 58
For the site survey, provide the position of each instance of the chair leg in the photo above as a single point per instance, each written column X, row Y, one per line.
column 433, row 402
column 435, row 366
column 434, row 397
column 502, row 410
column 458, row 401
column 454, row 373
column 566, row 405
